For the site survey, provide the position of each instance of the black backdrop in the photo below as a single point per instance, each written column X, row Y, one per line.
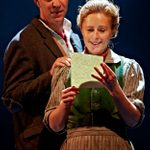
column 132, row 41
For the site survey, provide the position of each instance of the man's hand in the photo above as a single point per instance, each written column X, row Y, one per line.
column 61, row 61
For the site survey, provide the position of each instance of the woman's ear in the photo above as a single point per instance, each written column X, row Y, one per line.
column 115, row 31
column 114, row 34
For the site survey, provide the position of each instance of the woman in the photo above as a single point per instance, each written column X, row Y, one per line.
column 97, row 118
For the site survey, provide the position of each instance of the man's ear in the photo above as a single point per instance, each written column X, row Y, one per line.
column 37, row 2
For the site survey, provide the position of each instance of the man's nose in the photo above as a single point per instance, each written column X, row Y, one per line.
column 56, row 4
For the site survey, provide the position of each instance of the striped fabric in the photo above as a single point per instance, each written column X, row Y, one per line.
column 94, row 138
column 99, row 138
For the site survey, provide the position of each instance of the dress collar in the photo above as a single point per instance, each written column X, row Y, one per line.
column 110, row 56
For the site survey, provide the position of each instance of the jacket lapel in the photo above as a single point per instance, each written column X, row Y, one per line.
column 47, row 37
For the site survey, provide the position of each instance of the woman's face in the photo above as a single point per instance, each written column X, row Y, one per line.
column 96, row 30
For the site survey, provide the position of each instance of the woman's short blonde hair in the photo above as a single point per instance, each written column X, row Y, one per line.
column 102, row 6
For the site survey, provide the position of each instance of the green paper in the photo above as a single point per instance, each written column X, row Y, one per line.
column 82, row 66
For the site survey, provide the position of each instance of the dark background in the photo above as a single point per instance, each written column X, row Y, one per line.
column 132, row 41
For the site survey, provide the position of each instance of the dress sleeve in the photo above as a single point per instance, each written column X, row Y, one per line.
column 134, row 85
column 59, row 78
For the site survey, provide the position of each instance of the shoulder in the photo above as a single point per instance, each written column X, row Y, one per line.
column 130, row 64
column 27, row 30
column 31, row 34
column 32, row 30
column 128, row 61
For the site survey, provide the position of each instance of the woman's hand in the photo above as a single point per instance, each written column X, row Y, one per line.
column 107, row 78
column 61, row 61
column 125, row 107
column 68, row 96
column 58, row 117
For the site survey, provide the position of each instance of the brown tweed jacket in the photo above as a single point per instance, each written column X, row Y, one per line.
column 27, row 61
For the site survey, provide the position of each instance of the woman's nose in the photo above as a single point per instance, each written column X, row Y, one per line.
column 96, row 35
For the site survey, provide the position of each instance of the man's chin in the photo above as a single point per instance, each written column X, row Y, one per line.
column 58, row 19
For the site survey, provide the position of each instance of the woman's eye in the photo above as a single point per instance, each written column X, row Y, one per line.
column 102, row 30
column 90, row 30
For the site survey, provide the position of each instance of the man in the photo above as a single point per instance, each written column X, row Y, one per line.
column 29, row 61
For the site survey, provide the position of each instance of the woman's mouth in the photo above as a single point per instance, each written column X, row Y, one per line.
column 95, row 43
